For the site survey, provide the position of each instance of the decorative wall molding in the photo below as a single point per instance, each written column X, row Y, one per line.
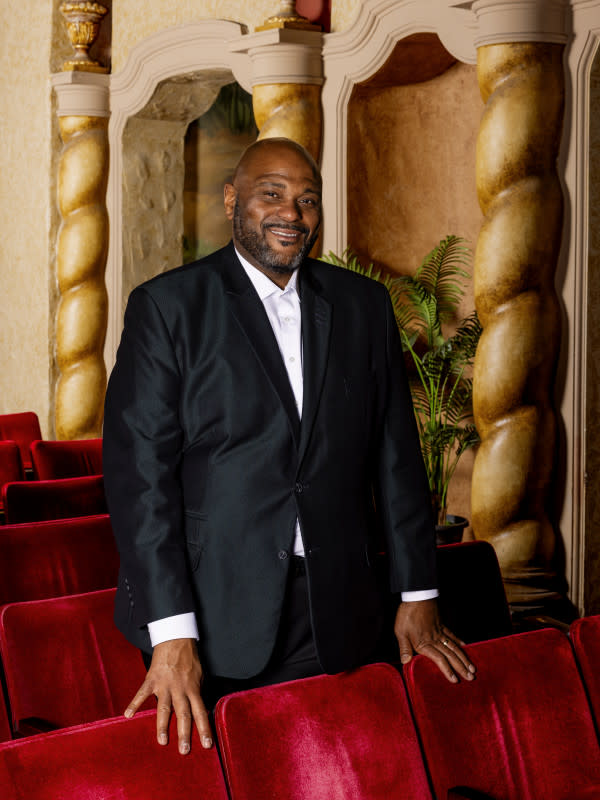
column 574, row 166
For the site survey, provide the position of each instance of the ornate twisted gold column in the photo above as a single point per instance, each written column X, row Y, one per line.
column 520, row 195
column 80, row 260
column 287, row 78
column 82, row 241
column 292, row 110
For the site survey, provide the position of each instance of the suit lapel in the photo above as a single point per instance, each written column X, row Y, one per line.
column 252, row 318
column 316, row 330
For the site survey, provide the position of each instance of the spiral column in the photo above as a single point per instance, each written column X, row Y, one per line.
column 80, row 261
column 287, row 76
column 82, row 92
column 522, row 85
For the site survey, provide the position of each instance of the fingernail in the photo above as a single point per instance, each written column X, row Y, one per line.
column 472, row 668
column 184, row 748
column 128, row 713
column 454, row 679
column 163, row 738
column 206, row 742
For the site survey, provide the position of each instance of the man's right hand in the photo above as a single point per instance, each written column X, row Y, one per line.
column 175, row 678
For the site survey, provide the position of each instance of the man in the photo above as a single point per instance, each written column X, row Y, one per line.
column 259, row 445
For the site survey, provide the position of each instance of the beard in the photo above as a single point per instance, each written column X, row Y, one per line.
column 256, row 245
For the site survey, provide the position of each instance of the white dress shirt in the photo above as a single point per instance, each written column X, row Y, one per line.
column 282, row 307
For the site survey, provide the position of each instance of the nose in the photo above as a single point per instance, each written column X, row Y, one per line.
column 290, row 209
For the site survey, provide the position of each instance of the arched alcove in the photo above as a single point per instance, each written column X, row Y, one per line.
column 408, row 121
column 153, row 174
column 169, row 80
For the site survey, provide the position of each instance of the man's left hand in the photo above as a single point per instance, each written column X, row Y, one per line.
column 418, row 629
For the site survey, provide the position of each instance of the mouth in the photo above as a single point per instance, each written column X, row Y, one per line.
column 286, row 235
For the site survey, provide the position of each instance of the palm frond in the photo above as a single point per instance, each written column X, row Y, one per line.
column 443, row 272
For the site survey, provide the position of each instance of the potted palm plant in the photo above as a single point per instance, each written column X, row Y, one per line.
column 425, row 304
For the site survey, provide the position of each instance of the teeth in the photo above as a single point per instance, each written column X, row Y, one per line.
column 285, row 234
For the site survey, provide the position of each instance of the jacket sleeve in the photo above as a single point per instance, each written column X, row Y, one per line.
column 142, row 449
column 402, row 491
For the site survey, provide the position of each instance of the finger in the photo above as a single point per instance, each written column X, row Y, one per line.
column 143, row 693
column 163, row 715
column 440, row 654
column 453, row 645
column 406, row 649
column 183, row 713
column 202, row 723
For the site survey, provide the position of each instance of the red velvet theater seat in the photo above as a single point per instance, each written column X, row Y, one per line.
column 23, row 428
column 11, row 467
column 35, row 501
column 332, row 737
column 585, row 636
column 522, row 730
column 5, row 730
column 65, row 662
column 66, row 459
column 472, row 600
column 55, row 558
column 116, row 759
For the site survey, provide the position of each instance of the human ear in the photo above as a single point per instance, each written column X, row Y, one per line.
column 229, row 198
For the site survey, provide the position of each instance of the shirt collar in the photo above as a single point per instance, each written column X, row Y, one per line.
column 264, row 286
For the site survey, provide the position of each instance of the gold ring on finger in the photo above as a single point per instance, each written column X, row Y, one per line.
column 445, row 642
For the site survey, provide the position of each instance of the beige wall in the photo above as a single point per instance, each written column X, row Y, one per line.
column 25, row 197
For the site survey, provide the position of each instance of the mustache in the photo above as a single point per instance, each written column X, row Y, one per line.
column 286, row 226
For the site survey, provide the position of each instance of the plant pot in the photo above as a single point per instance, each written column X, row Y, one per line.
column 452, row 531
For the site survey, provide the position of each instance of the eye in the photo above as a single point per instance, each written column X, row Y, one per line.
column 270, row 194
column 309, row 201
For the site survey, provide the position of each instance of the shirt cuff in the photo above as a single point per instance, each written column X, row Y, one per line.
column 423, row 594
column 179, row 626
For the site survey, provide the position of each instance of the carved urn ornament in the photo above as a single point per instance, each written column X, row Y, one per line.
column 83, row 24
column 287, row 17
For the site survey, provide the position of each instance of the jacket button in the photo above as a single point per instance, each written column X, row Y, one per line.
column 282, row 555
column 299, row 488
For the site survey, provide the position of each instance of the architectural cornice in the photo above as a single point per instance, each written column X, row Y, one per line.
column 82, row 94
column 283, row 55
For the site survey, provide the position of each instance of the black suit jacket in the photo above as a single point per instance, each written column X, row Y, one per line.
column 207, row 465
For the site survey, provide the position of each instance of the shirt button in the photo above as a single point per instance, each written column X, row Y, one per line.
column 292, row 359
column 282, row 555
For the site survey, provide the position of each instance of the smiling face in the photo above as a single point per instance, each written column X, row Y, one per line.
column 274, row 203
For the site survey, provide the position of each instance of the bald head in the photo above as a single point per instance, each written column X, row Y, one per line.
column 272, row 146
column 274, row 203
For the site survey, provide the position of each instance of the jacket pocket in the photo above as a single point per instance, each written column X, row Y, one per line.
column 195, row 536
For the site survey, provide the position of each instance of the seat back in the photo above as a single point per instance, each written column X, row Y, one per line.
column 325, row 738
column 23, row 428
column 35, row 501
column 66, row 459
column 55, row 558
column 11, row 467
column 522, row 730
column 65, row 662
column 472, row 599
column 116, row 758
column 585, row 637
